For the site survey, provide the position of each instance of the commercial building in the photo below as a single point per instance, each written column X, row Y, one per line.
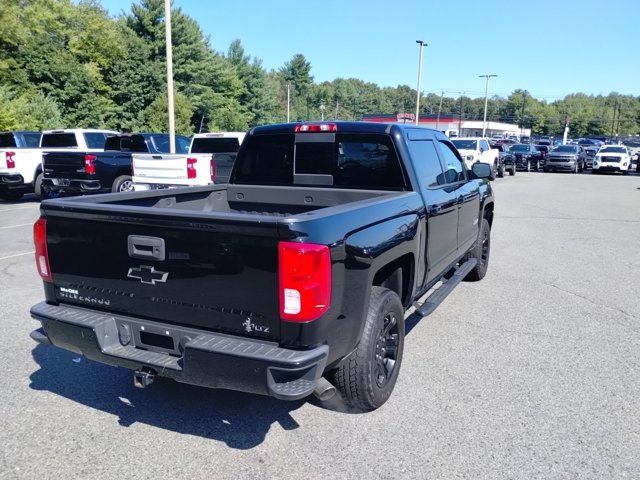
column 451, row 125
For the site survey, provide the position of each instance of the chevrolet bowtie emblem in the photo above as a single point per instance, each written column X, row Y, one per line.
column 147, row 274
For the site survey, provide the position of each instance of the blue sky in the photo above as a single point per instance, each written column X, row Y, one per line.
column 550, row 48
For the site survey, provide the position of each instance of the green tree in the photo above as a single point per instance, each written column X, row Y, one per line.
column 37, row 111
column 156, row 117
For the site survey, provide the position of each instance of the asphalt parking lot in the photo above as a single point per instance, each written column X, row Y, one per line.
column 532, row 373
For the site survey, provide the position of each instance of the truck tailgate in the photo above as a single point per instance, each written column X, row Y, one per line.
column 193, row 273
column 63, row 164
column 172, row 169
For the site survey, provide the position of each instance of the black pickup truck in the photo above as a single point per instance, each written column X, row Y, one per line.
column 78, row 173
column 292, row 279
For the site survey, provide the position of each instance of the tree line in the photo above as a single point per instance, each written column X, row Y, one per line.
column 71, row 64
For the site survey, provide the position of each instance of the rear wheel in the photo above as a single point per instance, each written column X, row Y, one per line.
column 367, row 378
column 122, row 184
column 37, row 186
column 480, row 251
column 512, row 172
column 501, row 171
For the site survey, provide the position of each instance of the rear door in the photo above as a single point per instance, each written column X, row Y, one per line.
column 224, row 150
column 441, row 205
column 467, row 195
column 216, row 274
column 172, row 169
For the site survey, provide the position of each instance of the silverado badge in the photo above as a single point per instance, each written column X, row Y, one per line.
column 147, row 274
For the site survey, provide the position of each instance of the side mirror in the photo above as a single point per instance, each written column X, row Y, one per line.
column 481, row 150
column 481, row 170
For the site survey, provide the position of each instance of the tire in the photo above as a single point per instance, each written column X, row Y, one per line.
column 528, row 167
column 364, row 379
column 575, row 170
column 512, row 172
column 480, row 250
column 501, row 172
column 122, row 184
column 11, row 195
column 545, row 169
column 37, row 186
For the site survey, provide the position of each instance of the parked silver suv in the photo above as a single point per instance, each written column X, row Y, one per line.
column 571, row 158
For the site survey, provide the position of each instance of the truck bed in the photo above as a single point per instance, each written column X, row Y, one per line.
column 249, row 200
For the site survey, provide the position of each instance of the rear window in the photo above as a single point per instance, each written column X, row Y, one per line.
column 95, row 140
column 7, row 140
column 367, row 161
column 56, row 140
column 215, row 145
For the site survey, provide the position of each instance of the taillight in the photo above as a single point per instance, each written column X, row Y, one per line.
column 191, row 167
column 304, row 272
column 40, row 242
column 316, row 128
column 89, row 165
column 212, row 169
column 8, row 156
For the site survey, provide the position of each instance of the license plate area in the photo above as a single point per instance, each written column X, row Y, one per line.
column 156, row 339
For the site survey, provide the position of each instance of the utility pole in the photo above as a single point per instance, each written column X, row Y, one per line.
column 167, row 27
column 322, row 107
column 613, row 122
column 335, row 117
column 566, row 129
column 288, row 102
column 460, row 119
column 422, row 44
column 439, row 110
column 617, row 131
column 486, row 91
column 524, row 102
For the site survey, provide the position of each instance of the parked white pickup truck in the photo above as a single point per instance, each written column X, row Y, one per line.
column 210, row 159
column 477, row 149
column 21, row 156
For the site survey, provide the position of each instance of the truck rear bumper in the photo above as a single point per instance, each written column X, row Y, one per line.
column 11, row 181
column 186, row 355
column 72, row 186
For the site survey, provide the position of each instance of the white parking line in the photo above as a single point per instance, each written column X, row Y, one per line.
column 15, row 226
column 18, row 255
column 17, row 207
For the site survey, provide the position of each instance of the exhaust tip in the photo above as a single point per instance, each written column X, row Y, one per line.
column 324, row 390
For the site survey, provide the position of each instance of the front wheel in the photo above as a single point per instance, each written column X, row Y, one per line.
column 37, row 186
column 512, row 172
column 480, row 251
column 122, row 184
column 501, row 171
column 366, row 379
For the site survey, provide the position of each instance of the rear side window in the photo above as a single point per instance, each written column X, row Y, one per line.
column 30, row 140
column 116, row 143
column 57, row 140
column 95, row 140
column 7, row 140
column 215, row 145
column 453, row 167
column 426, row 163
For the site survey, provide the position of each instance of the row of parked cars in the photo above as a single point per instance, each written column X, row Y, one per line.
column 79, row 161
column 507, row 155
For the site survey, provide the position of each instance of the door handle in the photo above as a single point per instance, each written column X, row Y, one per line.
column 460, row 199
column 435, row 209
column 148, row 248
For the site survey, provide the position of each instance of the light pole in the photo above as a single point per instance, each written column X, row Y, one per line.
column 486, row 91
column 167, row 26
column 422, row 44
column 288, row 102
column 322, row 107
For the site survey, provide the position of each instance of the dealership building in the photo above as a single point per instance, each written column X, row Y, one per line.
column 451, row 125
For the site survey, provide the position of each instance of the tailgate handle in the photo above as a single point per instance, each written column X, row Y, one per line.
column 146, row 247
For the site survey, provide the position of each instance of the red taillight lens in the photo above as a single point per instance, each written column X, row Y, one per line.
column 40, row 242
column 191, row 167
column 304, row 281
column 212, row 169
column 89, row 165
column 316, row 128
column 8, row 156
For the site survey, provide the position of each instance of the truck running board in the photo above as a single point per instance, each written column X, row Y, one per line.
column 438, row 296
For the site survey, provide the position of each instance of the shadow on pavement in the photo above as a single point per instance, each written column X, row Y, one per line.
column 240, row 420
column 27, row 199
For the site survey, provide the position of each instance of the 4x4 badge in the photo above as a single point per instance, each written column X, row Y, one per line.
column 147, row 274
